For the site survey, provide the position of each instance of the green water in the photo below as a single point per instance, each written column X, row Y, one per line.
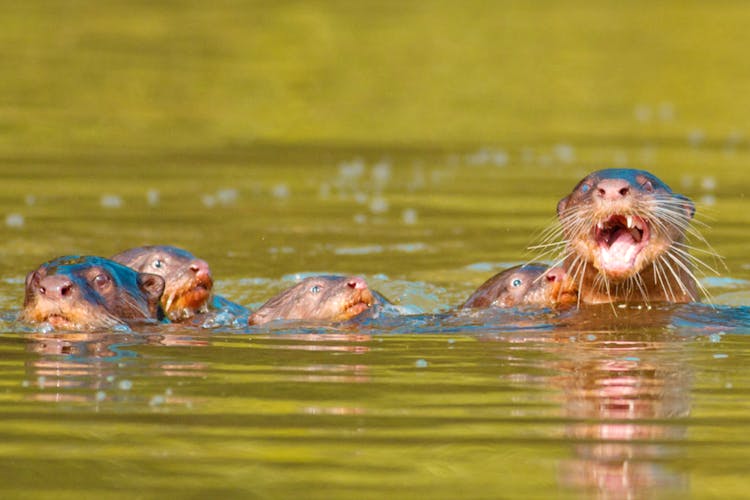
column 423, row 145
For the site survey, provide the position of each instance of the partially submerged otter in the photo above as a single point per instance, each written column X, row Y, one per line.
column 624, row 234
column 189, row 284
column 319, row 298
column 86, row 293
column 528, row 285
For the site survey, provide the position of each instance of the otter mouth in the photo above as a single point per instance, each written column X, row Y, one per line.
column 58, row 320
column 359, row 304
column 620, row 240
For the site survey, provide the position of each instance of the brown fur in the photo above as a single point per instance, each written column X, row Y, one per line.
column 83, row 293
column 611, row 262
column 319, row 298
column 189, row 284
column 529, row 285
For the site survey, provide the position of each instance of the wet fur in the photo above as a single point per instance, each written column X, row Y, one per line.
column 125, row 297
column 664, row 271
column 334, row 301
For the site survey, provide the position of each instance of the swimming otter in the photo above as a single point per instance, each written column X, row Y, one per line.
column 188, row 279
column 85, row 293
column 623, row 234
column 531, row 284
column 319, row 298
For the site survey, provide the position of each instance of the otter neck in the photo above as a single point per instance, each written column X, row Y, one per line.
column 654, row 287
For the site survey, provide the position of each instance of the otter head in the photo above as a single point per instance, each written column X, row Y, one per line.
column 83, row 293
column 528, row 285
column 621, row 220
column 188, row 279
column 318, row 298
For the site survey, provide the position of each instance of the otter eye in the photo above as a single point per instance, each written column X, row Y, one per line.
column 100, row 280
column 315, row 289
column 585, row 188
column 647, row 186
column 158, row 263
column 516, row 283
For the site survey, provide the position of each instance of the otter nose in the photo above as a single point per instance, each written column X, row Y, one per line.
column 613, row 189
column 55, row 287
column 356, row 282
column 199, row 266
column 555, row 274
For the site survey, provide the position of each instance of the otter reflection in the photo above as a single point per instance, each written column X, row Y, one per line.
column 87, row 366
column 622, row 394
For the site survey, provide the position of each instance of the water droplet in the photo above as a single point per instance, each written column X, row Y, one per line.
column 409, row 216
column 421, row 363
column 378, row 205
column 280, row 191
column 720, row 356
column 642, row 113
column 666, row 111
column 714, row 337
column 157, row 400
column 152, row 197
column 360, row 218
column 208, row 200
column 708, row 183
column 111, row 201
column 14, row 220
column 125, row 385
column 100, row 395
column 227, row 196
column 696, row 137
column 565, row 153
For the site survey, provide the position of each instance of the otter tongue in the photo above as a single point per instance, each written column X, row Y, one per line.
column 621, row 251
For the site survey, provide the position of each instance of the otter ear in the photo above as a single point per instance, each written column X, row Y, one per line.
column 30, row 277
column 688, row 205
column 561, row 206
column 152, row 285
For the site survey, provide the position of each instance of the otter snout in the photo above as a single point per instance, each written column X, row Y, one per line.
column 356, row 282
column 55, row 287
column 613, row 189
column 200, row 267
column 555, row 274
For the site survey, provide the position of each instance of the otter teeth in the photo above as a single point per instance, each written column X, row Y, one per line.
column 629, row 220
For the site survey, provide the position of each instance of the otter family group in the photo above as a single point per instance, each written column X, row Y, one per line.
column 621, row 237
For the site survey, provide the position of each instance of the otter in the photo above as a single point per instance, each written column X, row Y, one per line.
column 189, row 283
column 320, row 298
column 527, row 285
column 624, row 239
column 90, row 293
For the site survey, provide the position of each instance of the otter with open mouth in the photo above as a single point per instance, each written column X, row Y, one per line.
column 90, row 293
column 623, row 234
column 534, row 285
column 321, row 299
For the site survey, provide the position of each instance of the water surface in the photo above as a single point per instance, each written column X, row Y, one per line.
column 424, row 148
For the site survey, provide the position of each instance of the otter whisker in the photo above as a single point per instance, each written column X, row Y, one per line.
column 662, row 280
column 690, row 273
column 694, row 259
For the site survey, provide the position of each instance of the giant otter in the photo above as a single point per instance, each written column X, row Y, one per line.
column 528, row 285
column 188, row 279
column 623, row 234
column 84, row 293
column 319, row 298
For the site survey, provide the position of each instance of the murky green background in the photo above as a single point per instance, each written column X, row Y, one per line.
column 421, row 144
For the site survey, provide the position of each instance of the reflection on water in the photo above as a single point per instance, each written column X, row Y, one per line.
column 613, row 386
column 623, row 397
